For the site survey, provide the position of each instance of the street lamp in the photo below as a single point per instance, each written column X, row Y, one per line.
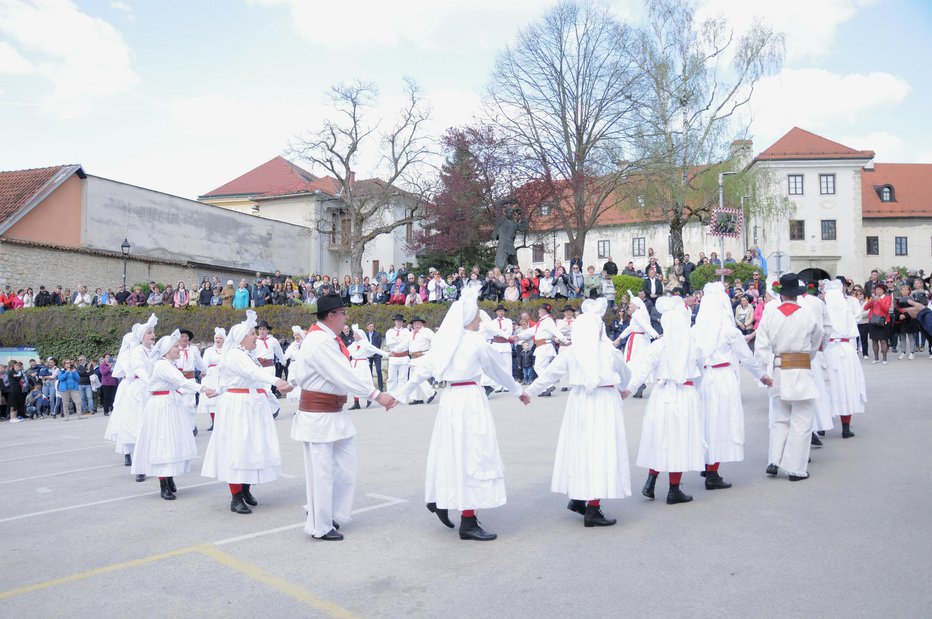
column 125, row 247
column 721, row 239
column 744, row 214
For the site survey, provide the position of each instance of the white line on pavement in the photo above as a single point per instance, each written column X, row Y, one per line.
column 55, row 439
column 90, row 468
column 57, row 453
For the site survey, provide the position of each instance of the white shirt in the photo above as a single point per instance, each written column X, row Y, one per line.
column 420, row 340
column 499, row 327
column 795, row 333
column 190, row 360
column 545, row 329
column 269, row 348
column 397, row 339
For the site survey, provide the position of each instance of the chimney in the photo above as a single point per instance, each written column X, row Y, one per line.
column 740, row 152
column 351, row 179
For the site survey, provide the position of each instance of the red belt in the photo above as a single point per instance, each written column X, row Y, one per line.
column 212, row 365
column 500, row 340
column 839, row 339
column 160, row 392
column 719, row 365
column 463, row 384
column 320, row 402
column 237, row 390
column 688, row 383
column 188, row 374
column 266, row 362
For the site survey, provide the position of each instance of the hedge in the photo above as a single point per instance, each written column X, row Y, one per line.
column 706, row 273
column 626, row 285
column 64, row 332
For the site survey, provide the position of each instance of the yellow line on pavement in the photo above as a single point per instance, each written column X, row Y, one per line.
column 97, row 572
column 279, row 584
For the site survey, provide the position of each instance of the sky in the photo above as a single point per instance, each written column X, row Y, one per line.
column 183, row 96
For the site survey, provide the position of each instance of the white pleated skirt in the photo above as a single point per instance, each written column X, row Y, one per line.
column 672, row 437
column 846, row 388
column 243, row 447
column 130, row 412
column 723, row 415
column 822, row 420
column 166, row 443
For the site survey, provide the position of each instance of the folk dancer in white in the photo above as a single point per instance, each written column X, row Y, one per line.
column 822, row 405
column 544, row 333
column 639, row 333
column 360, row 351
column 847, row 391
column 133, row 403
column 189, row 361
column 211, row 375
column 291, row 356
column 418, row 348
column 396, row 340
column 565, row 325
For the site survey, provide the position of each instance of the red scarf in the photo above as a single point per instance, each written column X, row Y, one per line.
column 343, row 348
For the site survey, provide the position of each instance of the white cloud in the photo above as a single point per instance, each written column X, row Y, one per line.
column 84, row 58
column 12, row 62
column 888, row 147
column 123, row 7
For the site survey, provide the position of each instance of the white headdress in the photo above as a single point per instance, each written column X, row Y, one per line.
column 678, row 362
column 588, row 334
column 238, row 332
column 713, row 318
column 450, row 333
column 297, row 330
column 119, row 369
column 165, row 344
column 139, row 329
column 638, row 303
column 221, row 332
column 839, row 313
column 359, row 332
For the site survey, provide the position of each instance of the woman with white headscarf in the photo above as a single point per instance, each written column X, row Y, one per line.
column 723, row 347
column 210, row 377
column 243, row 449
column 464, row 467
column 291, row 356
column 360, row 351
column 640, row 333
column 671, row 438
column 166, row 444
column 847, row 391
column 133, row 364
column 591, row 462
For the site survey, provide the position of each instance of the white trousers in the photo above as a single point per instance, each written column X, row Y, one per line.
column 397, row 375
column 330, row 479
column 191, row 403
column 790, row 435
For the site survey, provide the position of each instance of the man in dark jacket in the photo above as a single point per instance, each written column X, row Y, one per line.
column 688, row 268
column 610, row 267
column 43, row 298
column 375, row 361
column 653, row 285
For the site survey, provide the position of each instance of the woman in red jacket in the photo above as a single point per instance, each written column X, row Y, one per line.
column 878, row 320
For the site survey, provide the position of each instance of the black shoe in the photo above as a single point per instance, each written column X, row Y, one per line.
column 106, row 414
column 488, row 390
column 354, row 407
column 798, row 477
column 772, row 469
column 336, row 525
column 470, row 529
column 127, row 460
column 195, row 431
column 577, row 505
column 814, row 441
column 211, row 428
column 846, row 430
column 714, row 481
column 640, row 392
column 675, row 495
column 171, row 484
column 702, row 473
column 332, row 536
column 238, row 505
column 431, row 398
column 369, row 402
column 275, row 414
column 140, row 477
column 247, row 496
column 564, row 388
column 166, row 492
column 821, row 432
column 413, row 402
column 595, row 517
column 442, row 514
column 648, row 489
column 545, row 394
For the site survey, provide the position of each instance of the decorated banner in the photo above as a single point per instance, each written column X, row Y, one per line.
column 726, row 222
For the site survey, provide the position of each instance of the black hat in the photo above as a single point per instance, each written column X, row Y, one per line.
column 399, row 317
column 547, row 307
column 790, row 286
column 263, row 323
column 186, row 332
column 501, row 307
column 569, row 308
column 417, row 319
column 327, row 303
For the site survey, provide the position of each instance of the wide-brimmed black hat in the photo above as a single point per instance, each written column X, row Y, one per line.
column 399, row 317
column 417, row 319
column 569, row 308
column 186, row 332
column 790, row 285
column 328, row 303
column 501, row 307
column 263, row 323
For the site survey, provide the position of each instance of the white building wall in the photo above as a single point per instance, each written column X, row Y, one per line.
column 918, row 234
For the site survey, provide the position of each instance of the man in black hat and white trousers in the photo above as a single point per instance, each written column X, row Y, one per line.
column 326, row 378
column 189, row 361
column 268, row 350
column 396, row 342
column 418, row 346
column 565, row 326
column 501, row 332
column 786, row 342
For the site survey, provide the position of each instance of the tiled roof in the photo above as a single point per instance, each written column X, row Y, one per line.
column 273, row 178
column 912, row 190
column 18, row 188
column 799, row 144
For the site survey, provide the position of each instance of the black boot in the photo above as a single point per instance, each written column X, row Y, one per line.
column 648, row 489
column 714, row 481
column 798, row 477
column 431, row 398
column 814, row 441
column 442, row 514
column 238, row 505
column 470, row 529
column 595, row 517
column 488, row 390
column 140, row 477
column 675, row 495
column 821, row 432
column 846, row 430
column 640, row 392
column 545, row 394
column 772, row 469
column 577, row 505
column 127, row 460
column 166, row 493
column 171, row 484
column 355, row 406
column 195, row 430
column 331, row 536
column 247, row 496
column 211, row 428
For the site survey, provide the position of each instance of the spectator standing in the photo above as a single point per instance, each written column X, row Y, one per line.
column 155, row 295
column 862, row 321
column 108, row 384
column 608, row 289
column 181, row 298
column 878, row 319
column 6, row 301
column 869, row 284
column 688, row 268
column 122, row 295
column 168, row 296
column 82, row 367
column 357, row 292
column 744, row 316
column 136, row 299
column 68, row 388
column 43, row 298
column 907, row 327
column 82, row 298
column 241, row 297
column 591, row 282
column 610, row 266
column 29, row 299
column 15, row 400
column 228, row 293
column 205, row 294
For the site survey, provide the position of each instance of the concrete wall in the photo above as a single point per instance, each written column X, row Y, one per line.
column 163, row 226
column 57, row 220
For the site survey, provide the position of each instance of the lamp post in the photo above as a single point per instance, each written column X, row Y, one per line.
column 744, row 214
column 125, row 247
column 721, row 238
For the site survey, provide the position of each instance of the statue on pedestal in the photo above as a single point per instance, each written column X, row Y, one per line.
column 509, row 222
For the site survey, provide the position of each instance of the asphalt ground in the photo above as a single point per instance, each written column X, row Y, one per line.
column 79, row 537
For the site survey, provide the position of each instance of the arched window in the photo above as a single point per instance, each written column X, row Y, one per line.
column 887, row 194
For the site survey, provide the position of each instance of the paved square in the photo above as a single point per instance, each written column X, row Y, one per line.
column 79, row 537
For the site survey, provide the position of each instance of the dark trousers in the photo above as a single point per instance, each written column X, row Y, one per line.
column 375, row 363
column 862, row 335
column 107, row 392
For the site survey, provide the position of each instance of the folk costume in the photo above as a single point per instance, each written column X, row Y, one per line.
column 543, row 334
column 397, row 340
column 500, row 333
column 786, row 345
column 822, row 420
column 639, row 333
column 672, row 437
column 326, row 377
column 591, row 461
column 166, row 444
column 418, row 347
column 268, row 350
column 464, row 467
column 189, row 362
column 243, row 449
column 131, row 339
column 565, row 325
column 210, row 376
column 723, row 348
column 360, row 352
column 847, row 391
column 291, row 356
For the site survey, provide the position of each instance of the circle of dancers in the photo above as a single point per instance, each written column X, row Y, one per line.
column 805, row 356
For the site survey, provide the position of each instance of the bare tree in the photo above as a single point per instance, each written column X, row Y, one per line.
column 366, row 208
column 566, row 94
column 701, row 77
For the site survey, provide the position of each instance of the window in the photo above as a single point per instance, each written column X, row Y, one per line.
column 873, row 246
column 375, row 267
column 826, row 184
column 828, row 229
column 886, row 194
column 638, row 246
column 605, row 249
column 797, row 230
column 409, row 232
column 566, row 251
column 900, row 246
column 795, row 184
column 544, row 210
column 641, row 200
column 537, row 252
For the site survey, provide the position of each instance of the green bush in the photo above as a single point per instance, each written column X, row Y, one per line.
column 626, row 285
column 706, row 273
column 64, row 332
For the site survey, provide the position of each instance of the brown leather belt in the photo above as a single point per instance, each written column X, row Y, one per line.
column 541, row 342
column 266, row 363
column 416, row 355
column 188, row 374
column 320, row 402
column 501, row 340
column 794, row 361
column 397, row 355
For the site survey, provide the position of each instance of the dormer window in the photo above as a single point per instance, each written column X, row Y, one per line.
column 641, row 200
column 887, row 194
column 544, row 209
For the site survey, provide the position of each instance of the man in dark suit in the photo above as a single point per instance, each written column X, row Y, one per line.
column 375, row 361
column 688, row 268
column 653, row 286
